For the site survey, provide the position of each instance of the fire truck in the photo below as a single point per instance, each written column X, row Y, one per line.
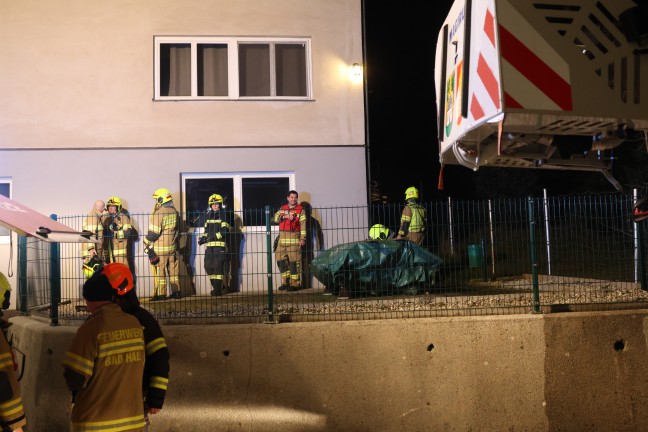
column 555, row 84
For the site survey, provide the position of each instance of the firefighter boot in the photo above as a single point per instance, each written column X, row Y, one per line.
column 217, row 287
column 295, row 279
column 175, row 291
column 285, row 274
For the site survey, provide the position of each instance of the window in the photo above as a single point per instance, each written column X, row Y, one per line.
column 246, row 193
column 188, row 68
column 5, row 190
column 197, row 192
column 257, row 192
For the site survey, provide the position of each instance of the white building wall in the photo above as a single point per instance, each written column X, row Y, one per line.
column 78, row 121
column 79, row 74
column 67, row 182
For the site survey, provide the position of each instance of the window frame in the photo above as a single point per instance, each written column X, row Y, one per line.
column 232, row 43
column 237, row 199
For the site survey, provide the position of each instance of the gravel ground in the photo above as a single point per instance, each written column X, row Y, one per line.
column 504, row 296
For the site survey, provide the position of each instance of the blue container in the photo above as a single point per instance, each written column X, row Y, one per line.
column 475, row 255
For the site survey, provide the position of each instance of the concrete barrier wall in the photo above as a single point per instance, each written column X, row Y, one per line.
column 559, row 372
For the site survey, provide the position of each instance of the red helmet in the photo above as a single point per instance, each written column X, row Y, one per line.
column 119, row 276
column 108, row 281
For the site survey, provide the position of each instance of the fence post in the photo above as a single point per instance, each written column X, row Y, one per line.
column 22, row 274
column 450, row 228
column 483, row 257
column 492, row 239
column 55, row 279
column 534, row 258
column 546, row 218
column 271, row 319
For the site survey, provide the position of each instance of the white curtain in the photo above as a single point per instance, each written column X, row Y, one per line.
column 180, row 70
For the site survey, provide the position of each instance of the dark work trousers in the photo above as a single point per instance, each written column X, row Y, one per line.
column 215, row 266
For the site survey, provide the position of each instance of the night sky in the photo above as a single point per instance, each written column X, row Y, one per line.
column 401, row 42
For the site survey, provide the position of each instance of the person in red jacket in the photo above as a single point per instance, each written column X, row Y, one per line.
column 292, row 237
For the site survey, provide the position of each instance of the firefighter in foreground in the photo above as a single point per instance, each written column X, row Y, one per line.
column 12, row 414
column 117, row 230
column 156, row 365
column 93, row 253
column 217, row 226
column 413, row 218
column 161, row 245
column 105, row 363
column 292, row 237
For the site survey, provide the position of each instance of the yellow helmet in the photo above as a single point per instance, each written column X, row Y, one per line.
column 215, row 199
column 379, row 232
column 162, row 195
column 114, row 201
column 411, row 192
column 5, row 291
column 90, row 268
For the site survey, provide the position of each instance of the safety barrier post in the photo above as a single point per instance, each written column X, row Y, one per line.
column 271, row 319
column 534, row 258
column 22, row 274
column 55, row 279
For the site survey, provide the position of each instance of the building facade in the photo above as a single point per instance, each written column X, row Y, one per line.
column 247, row 99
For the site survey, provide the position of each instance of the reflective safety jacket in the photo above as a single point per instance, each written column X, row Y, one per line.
column 118, row 229
column 298, row 222
column 12, row 414
column 104, row 367
column 93, row 223
column 217, row 225
column 163, row 230
column 156, row 367
column 413, row 219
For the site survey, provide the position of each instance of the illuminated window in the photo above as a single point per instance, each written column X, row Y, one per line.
column 188, row 68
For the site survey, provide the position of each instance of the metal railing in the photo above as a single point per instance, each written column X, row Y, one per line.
column 531, row 255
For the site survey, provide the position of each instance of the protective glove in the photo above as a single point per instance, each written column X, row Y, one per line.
column 115, row 227
column 153, row 257
column 202, row 240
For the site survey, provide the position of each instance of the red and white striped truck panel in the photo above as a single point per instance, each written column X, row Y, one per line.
column 539, row 85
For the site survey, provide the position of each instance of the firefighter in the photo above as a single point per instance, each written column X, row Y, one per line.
column 161, row 245
column 292, row 237
column 93, row 253
column 217, row 225
column 104, row 366
column 118, row 231
column 379, row 232
column 12, row 414
column 413, row 218
column 156, row 365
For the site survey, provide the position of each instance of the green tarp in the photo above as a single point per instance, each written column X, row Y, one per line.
column 386, row 267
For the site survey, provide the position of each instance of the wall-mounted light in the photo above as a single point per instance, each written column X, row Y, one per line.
column 356, row 70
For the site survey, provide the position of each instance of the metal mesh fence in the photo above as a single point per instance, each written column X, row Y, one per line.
column 498, row 257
